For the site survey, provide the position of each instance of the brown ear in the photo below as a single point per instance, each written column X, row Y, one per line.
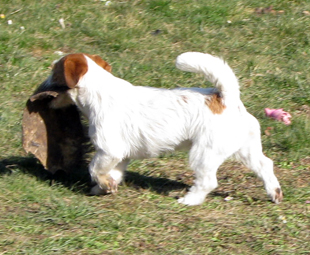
column 100, row 62
column 74, row 67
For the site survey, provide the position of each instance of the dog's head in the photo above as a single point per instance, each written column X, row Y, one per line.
column 52, row 129
column 65, row 75
column 69, row 69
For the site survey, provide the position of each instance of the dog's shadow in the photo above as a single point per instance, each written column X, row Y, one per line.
column 156, row 184
column 79, row 180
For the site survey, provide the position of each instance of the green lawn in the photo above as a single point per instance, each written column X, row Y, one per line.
column 269, row 51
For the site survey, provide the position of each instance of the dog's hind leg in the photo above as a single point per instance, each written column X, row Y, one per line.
column 252, row 156
column 205, row 165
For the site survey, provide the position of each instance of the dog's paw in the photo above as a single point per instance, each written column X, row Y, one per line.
column 277, row 196
column 192, row 199
column 108, row 184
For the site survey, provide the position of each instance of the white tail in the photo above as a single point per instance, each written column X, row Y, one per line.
column 215, row 70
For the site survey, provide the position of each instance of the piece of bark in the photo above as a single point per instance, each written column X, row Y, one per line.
column 54, row 136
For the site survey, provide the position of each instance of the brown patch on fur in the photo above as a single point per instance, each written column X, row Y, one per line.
column 100, row 62
column 75, row 66
column 69, row 69
column 215, row 104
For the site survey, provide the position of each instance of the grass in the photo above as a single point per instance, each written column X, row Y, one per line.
column 269, row 52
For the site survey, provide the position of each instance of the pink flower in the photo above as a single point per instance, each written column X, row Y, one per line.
column 278, row 114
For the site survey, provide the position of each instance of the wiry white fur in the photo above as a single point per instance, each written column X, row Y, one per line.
column 130, row 122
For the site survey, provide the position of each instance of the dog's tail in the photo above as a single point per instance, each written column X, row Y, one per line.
column 215, row 70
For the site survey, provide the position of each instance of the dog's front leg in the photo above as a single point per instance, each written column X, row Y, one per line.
column 102, row 170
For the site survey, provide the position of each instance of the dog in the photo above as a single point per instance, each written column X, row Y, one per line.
column 135, row 122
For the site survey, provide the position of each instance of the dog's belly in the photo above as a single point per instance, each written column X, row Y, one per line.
column 149, row 152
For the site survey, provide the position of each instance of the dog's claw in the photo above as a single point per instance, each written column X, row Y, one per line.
column 278, row 196
column 108, row 184
column 112, row 186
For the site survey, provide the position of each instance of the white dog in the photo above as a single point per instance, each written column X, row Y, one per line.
column 134, row 122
